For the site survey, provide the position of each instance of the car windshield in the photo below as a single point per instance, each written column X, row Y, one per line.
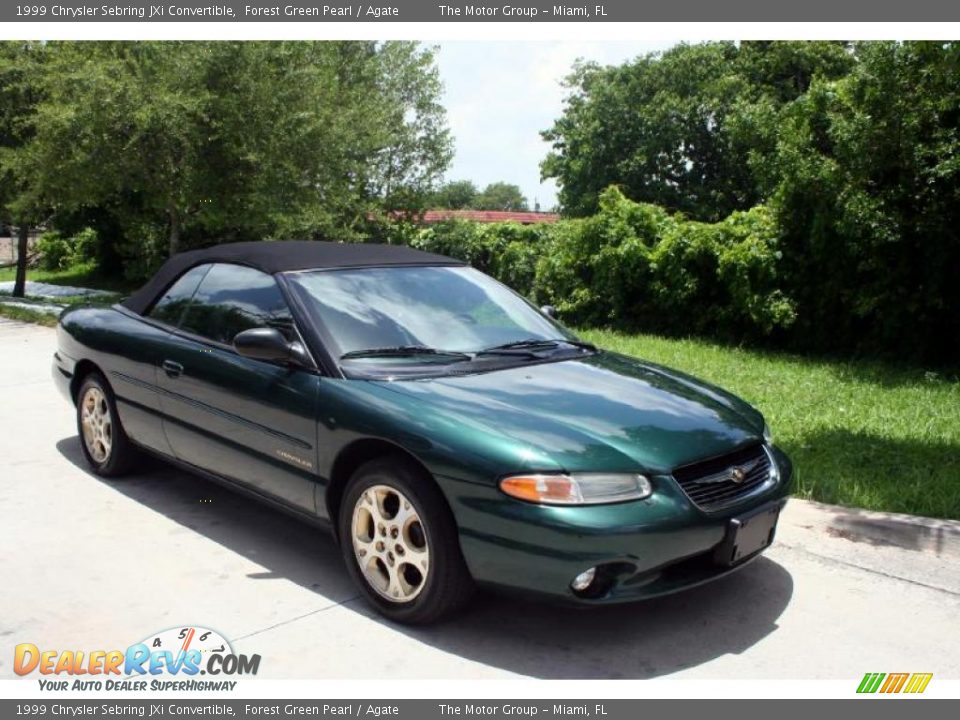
column 420, row 314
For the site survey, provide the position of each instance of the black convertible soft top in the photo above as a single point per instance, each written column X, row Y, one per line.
column 282, row 256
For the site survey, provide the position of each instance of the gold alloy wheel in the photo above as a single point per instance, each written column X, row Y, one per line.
column 390, row 543
column 97, row 424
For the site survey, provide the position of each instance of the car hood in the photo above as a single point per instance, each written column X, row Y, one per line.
column 602, row 412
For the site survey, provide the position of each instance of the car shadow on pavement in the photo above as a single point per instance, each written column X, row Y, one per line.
column 641, row 640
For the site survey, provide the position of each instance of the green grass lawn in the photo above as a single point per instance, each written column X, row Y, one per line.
column 87, row 276
column 27, row 315
column 860, row 434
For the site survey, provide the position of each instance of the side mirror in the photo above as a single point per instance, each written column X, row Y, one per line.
column 268, row 344
column 550, row 311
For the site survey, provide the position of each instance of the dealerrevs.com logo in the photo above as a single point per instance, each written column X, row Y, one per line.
column 168, row 660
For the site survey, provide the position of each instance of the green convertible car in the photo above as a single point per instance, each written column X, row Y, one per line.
column 448, row 432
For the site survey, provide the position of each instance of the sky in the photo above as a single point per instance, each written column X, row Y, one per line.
column 499, row 95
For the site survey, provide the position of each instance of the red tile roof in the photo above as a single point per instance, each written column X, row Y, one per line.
column 489, row 216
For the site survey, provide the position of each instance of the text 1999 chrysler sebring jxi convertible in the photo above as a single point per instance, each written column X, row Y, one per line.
column 447, row 431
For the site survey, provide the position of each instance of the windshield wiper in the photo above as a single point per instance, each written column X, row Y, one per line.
column 526, row 347
column 582, row 344
column 519, row 347
column 404, row 351
column 530, row 345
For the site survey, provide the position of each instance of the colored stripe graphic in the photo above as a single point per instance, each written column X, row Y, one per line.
column 894, row 682
column 918, row 682
column 870, row 682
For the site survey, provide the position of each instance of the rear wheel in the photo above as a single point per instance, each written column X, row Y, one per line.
column 400, row 543
column 105, row 445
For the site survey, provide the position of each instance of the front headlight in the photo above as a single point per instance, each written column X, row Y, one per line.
column 767, row 435
column 577, row 488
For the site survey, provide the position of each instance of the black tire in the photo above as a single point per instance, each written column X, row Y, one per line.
column 447, row 586
column 122, row 454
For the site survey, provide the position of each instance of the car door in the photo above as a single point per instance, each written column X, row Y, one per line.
column 248, row 420
column 136, row 345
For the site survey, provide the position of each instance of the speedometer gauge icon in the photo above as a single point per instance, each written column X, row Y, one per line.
column 183, row 639
column 184, row 646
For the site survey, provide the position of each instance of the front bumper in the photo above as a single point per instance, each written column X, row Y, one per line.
column 650, row 547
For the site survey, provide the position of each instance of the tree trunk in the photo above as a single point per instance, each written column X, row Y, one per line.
column 20, row 284
column 174, row 239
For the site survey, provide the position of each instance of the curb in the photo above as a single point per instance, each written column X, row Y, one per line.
column 41, row 307
column 909, row 532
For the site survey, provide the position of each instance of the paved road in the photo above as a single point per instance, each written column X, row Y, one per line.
column 93, row 564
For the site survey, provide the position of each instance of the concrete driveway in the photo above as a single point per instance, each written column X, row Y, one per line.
column 88, row 563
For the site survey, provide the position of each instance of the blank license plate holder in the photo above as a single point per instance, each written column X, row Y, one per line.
column 748, row 534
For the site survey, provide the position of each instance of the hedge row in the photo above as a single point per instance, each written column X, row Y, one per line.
column 632, row 265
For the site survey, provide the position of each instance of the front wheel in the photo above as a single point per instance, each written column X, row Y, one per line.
column 400, row 543
column 105, row 444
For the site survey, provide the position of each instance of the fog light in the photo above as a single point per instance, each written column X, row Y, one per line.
column 582, row 581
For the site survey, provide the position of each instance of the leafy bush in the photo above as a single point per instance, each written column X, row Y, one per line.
column 58, row 252
column 507, row 251
column 634, row 265
column 637, row 265
column 53, row 249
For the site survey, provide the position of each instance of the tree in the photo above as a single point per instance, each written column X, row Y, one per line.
column 464, row 195
column 455, row 195
column 20, row 66
column 411, row 145
column 189, row 142
column 501, row 196
column 675, row 128
column 868, row 199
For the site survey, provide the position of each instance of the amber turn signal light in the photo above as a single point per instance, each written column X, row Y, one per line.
column 577, row 488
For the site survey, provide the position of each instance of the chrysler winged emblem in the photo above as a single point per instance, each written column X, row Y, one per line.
column 736, row 474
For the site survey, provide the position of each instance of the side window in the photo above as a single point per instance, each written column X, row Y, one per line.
column 233, row 298
column 169, row 308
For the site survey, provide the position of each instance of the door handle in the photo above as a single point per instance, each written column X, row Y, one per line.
column 172, row 369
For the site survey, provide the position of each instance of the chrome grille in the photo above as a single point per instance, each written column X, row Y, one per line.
column 723, row 481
